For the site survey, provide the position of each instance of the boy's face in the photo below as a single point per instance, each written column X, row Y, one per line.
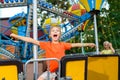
column 55, row 33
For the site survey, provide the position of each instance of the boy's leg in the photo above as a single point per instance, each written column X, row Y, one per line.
column 40, row 78
column 44, row 76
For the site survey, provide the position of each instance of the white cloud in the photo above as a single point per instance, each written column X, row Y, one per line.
column 9, row 12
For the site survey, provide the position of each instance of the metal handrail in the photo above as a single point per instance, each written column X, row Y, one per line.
column 43, row 59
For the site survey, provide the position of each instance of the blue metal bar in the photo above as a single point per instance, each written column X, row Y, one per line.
column 3, row 51
column 13, row 24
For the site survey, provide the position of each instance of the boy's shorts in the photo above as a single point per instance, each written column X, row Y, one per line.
column 47, row 74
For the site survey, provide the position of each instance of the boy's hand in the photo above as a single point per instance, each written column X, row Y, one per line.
column 12, row 35
column 91, row 45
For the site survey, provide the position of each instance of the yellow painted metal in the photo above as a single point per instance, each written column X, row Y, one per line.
column 76, row 69
column 8, row 72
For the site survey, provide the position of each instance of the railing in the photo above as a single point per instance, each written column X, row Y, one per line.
column 39, row 60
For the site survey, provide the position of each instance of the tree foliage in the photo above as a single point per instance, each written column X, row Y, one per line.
column 109, row 24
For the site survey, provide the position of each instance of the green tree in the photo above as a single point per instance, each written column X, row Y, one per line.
column 108, row 25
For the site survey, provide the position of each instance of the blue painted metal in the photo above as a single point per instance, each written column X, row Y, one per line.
column 45, row 4
column 10, row 42
column 17, row 16
column 6, row 1
column 11, row 1
column 7, row 53
column 22, row 30
column 16, row 0
column 21, row 0
column 29, row 2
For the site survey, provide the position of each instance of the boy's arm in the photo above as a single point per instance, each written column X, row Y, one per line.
column 26, row 39
column 83, row 45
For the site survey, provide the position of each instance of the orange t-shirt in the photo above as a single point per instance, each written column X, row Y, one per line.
column 54, row 51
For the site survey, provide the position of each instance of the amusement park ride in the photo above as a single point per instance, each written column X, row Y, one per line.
column 21, row 24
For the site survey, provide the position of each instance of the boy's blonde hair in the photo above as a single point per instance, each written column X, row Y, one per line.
column 52, row 26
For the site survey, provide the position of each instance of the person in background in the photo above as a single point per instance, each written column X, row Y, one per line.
column 53, row 49
column 108, row 48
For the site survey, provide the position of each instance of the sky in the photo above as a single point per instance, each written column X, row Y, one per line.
column 8, row 12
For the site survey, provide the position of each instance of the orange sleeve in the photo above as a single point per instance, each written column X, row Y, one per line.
column 67, row 46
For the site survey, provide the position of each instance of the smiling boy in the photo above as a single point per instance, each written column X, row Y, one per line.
column 53, row 48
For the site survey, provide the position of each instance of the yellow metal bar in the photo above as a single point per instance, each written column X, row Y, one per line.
column 85, row 4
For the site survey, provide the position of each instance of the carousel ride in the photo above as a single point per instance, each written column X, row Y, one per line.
column 78, row 15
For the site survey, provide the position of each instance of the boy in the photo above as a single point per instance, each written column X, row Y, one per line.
column 54, row 49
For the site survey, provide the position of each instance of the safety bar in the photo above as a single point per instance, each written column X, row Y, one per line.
column 42, row 59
